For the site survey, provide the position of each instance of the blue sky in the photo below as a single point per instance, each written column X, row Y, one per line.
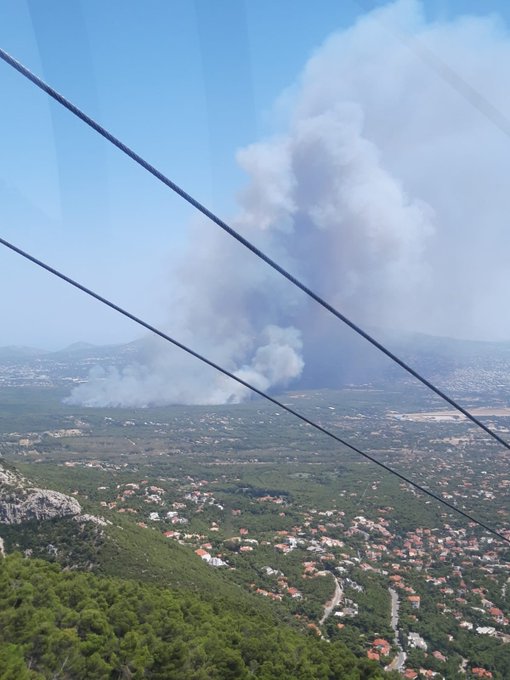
column 186, row 84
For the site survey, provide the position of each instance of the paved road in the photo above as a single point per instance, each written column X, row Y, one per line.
column 397, row 664
column 394, row 612
column 333, row 603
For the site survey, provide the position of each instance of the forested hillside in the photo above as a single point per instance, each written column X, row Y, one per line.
column 56, row 624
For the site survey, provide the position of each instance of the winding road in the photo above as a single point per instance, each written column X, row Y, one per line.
column 334, row 602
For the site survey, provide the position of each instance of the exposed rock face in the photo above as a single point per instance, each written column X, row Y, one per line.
column 9, row 478
column 20, row 502
column 37, row 504
column 100, row 521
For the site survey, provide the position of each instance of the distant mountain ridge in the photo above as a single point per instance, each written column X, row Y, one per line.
column 10, row 352
column 15, row 352
column 332, row 360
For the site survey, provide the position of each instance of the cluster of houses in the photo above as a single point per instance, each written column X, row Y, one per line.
column 324, row 536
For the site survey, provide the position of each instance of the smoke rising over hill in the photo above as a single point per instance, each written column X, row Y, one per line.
column 374, row 195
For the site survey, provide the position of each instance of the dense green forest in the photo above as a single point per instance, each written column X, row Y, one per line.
column 57, row 624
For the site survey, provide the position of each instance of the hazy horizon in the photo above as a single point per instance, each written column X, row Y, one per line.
column 341, row 151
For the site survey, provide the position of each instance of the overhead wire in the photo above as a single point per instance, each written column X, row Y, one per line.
column 248, row 385
column 245, row 242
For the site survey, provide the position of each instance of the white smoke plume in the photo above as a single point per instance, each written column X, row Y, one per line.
column 375, row 195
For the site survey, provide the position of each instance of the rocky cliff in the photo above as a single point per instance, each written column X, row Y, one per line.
column 20, row 501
